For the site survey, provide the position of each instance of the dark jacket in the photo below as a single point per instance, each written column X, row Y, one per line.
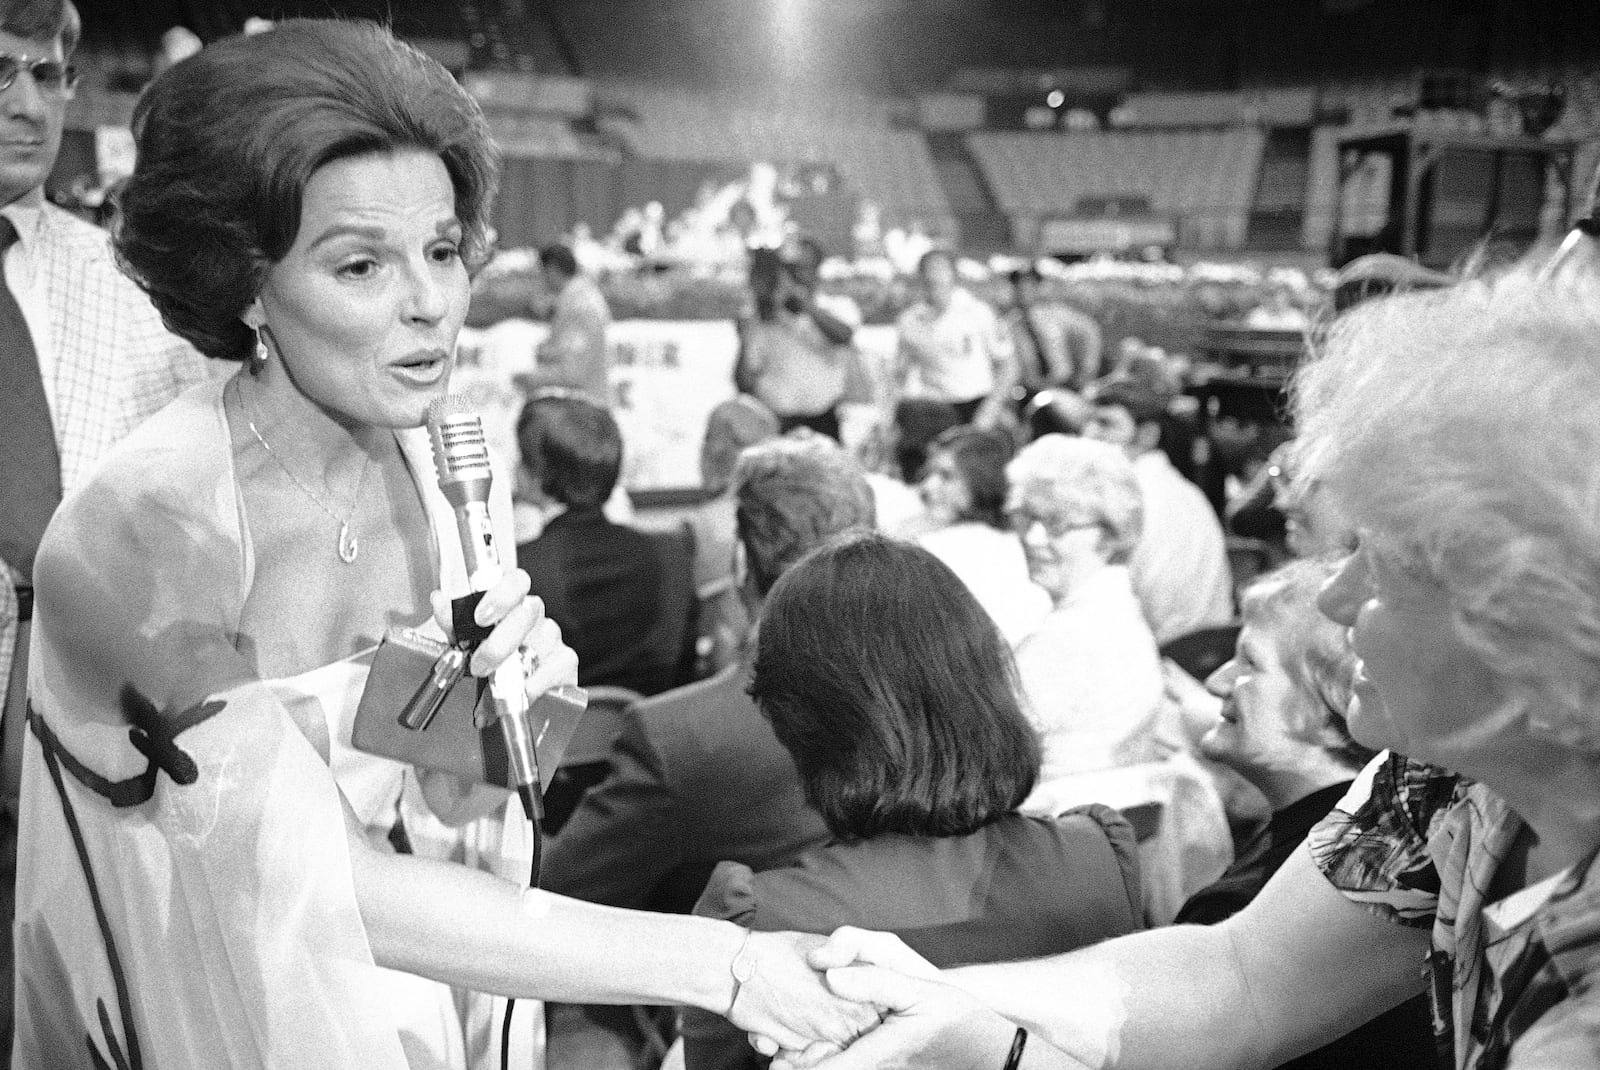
column 1018, row 888
column 697, row 776
column 610, row 587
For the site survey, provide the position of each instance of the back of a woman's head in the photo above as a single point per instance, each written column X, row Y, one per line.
column 894, row 692
column 1460, row 430
column 229, row 138
column 981, row 457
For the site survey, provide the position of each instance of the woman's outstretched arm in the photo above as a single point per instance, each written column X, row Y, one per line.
column 469, row 928
column 1300, row 966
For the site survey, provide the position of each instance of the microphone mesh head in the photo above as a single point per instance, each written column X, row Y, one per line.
column 460, row 451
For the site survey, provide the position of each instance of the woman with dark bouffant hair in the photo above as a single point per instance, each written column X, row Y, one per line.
column 963, row 489
column 894, row 693
column 209, row 874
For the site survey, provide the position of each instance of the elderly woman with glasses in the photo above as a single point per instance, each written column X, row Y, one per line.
column 1090, row 672
column 1458, row 430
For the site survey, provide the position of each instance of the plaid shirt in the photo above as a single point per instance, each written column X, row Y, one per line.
column 1421, row 847
column 107, row 361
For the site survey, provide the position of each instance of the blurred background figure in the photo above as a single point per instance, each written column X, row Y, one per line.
column 1180, row 563
column 1294, row 518
column 734, row 425
column 1057, row 346
column 953, row 347
column 963, row 490
column 794, row 348
column 624, row 598
column 918, row 422
column 575, row 354
column 177, row 45
column 873, row 660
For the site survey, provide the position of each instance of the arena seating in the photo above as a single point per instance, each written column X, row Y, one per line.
column 1206, row 177
column 852, row 132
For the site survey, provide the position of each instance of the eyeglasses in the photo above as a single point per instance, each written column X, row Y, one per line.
column 1024, row 521
column 50, row 75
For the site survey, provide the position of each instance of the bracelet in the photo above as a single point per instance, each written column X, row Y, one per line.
column 1018, row 1042
column 742, row 968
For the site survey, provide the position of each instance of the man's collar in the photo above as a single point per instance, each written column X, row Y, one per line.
column 26, row 213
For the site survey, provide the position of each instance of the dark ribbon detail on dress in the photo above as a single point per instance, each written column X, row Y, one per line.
column 156, row 736
column 152, row 735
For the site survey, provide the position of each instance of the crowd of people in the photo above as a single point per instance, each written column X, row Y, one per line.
column 908, row 768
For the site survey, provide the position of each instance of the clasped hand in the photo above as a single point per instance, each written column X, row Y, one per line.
column 924, row 1021
column 786, row 1003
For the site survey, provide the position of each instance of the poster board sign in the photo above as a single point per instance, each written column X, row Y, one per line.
column 666, row 377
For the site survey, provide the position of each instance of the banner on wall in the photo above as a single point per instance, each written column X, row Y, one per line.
column 666, row 377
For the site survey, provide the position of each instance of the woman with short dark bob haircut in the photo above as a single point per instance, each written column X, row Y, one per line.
column 884, row 680
column 894, row 693
column 209, row 874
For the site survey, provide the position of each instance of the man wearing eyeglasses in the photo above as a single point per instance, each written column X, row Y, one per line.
column 83, row 359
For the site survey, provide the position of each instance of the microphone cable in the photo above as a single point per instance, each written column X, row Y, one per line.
column 530, row 802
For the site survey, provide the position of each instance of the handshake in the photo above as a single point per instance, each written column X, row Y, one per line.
column 860, row 1000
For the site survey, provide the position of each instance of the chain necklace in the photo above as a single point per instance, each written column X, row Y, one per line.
column 349, row 544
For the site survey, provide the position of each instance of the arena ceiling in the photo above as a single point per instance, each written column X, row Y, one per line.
column 906, row 44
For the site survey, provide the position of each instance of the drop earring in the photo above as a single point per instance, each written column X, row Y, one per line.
column 261, row 354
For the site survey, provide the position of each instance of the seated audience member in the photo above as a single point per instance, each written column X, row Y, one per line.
column 893, row 691
column 899, row 506
column 1310, row 526
column 1090, row 673
column 964, row 493
column 1057, row 346
column 734, row 424
column 1055, row 412
column 1256, row 509
column 1180, row 565
column 604, row 583
column 1282, row 728
column 697, row 775
column 1471, row 605
column 917, row 423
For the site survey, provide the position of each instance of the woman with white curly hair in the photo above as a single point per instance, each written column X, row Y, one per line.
column 1459, row 430
column 1090, row 672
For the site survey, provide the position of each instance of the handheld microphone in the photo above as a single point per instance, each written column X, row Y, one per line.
column 461, row 455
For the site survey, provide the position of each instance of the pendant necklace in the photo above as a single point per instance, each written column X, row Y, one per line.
column 349, row 544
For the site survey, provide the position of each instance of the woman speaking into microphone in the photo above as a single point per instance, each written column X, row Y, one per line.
column 208, row 876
